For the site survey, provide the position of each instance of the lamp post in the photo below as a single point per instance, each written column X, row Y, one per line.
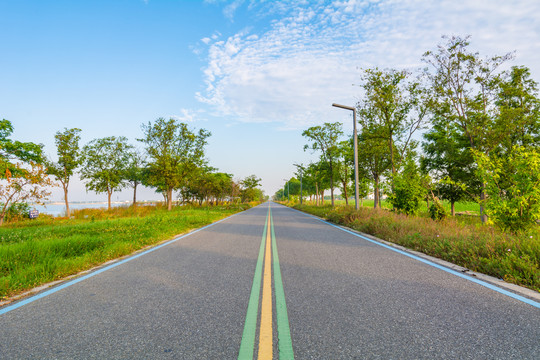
column 301, row 170
column 288, row 190
column 356, row 200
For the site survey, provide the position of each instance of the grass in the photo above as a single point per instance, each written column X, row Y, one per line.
column 40, row 251
column 481, row 248
column 470, row 208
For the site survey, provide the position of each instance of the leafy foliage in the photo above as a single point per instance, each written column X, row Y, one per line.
column 513, row 201
column 325, row 139
column 437, row 210
column 104, row 165
column 69, row 158
column 23, row 188
column 16, row 152
column 408, row 190
column 174, row 153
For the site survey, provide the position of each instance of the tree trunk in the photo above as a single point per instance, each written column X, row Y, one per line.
column 322, row 197
column 169, row 198
column 332, row 194
column 135, row 195
column 68, row 213
column 376, row 193
column 3, row 214
column 345, row 192
column 109, row 194
column 317, row 194
column 452, row 206
column 483, row 216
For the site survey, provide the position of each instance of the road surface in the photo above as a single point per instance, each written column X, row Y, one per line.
column 271, row 282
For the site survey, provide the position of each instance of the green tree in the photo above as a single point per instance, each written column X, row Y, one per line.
column 465, row 91
column 316, row 180
column 279, row 195
column 447, row 158
column 174, row 152
column 69, row 158
column 513, row 201
column 374, row 160
column 408, row 192
column 135, row 173
column 249, row 190
column 104, row 164
column 325, row 139
column 392, row 109
column 344, row 171
column 26, row 182
column 519, row 104
column 13, row 152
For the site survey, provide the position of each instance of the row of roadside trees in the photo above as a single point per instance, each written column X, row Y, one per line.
column 479, row 124
column 172, row 160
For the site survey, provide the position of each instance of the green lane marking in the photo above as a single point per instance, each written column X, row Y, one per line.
column 284, row 332
column 250, row 326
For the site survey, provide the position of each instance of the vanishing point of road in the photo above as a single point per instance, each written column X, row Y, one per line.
column 272, row 282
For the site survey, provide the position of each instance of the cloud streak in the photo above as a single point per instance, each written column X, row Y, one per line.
column 310, row 55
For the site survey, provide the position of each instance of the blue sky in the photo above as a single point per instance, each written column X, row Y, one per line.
column 254, row 73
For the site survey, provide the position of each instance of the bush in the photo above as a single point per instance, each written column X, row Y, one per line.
column 512, row 187
column 408, row 191
column 437, row 211
column 17, row 212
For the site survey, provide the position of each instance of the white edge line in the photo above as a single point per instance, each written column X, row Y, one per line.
column 440, row 267
column 43, row 294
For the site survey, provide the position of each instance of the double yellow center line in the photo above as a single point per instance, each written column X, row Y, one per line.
column 269, row 255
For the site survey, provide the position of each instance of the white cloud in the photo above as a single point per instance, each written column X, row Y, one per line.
column 310, row 56
column 187, row 115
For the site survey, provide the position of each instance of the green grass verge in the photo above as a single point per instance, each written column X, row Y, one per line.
column 480, row 248
column 36, row 252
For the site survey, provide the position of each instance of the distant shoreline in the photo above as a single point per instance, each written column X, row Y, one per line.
column 96, row 202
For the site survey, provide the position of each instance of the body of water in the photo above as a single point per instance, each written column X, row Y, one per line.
column 60, row 209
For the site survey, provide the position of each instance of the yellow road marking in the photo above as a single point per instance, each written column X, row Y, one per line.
column 265, row 333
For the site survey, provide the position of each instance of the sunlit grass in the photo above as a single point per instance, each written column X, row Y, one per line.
column 40, row 251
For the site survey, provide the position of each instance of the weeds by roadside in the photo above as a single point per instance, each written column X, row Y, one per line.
column 514, row 258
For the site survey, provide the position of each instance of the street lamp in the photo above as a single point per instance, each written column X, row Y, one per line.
column 288, row 190
column 356, row 200
column 301, row 170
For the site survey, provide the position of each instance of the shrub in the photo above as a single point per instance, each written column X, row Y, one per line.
column 437, row 211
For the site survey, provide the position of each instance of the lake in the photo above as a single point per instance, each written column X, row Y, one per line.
column 60, row 209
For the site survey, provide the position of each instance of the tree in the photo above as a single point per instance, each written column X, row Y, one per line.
column 135, row 172
column 174, row 151
column 407, row 192
column 316, row 180
column 18, row 188
column 448, row 159
column 513, row 201
column 393, row 109
column 466, row 89
column 12, row 152
column 374, row 158
column 104, row 164
column 343, row 168
column 67, row 148
column 518, row 103
column 249, row 188
column 325, row 139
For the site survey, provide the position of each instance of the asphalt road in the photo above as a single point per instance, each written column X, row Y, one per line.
column 346, row 298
